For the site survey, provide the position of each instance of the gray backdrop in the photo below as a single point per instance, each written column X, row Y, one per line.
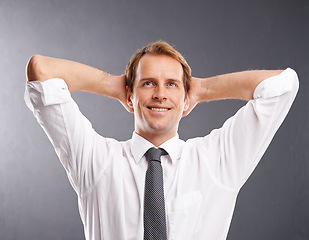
column 215, row 36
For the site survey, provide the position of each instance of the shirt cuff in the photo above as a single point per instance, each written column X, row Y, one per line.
column 276, row 85
column 52, row 91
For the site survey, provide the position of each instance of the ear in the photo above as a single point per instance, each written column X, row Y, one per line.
column 187, row 104
column 186, row 107
column 129, row 100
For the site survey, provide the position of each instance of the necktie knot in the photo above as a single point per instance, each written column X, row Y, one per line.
column 154, row 154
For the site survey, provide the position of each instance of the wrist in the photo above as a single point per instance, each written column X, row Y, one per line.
column 117, row 86
column 201, row 89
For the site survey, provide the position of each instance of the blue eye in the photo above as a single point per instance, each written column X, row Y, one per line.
column 148, row 83
column 172, row 84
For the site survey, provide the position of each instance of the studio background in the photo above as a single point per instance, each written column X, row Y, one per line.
column 215, row 36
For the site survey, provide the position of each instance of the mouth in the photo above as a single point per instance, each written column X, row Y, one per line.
column 159, row 109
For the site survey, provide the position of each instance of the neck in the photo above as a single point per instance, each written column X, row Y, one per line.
column 156, row 139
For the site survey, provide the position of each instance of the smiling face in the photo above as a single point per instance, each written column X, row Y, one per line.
column 158, row 98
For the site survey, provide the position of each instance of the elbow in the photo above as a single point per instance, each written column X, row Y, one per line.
column 34, row 68
column 295, row 80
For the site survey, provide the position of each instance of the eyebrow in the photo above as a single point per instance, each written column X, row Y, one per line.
column 169, row 79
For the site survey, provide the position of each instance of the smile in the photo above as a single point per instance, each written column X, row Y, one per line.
column 158, row 109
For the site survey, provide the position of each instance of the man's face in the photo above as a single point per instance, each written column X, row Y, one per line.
column 158, row 99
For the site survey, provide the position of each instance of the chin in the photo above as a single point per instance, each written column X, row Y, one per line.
column 161, row 129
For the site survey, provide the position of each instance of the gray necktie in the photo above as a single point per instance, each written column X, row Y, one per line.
column 154, row 205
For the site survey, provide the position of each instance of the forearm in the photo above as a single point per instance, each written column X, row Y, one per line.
column 78, row 77
column 239, row 85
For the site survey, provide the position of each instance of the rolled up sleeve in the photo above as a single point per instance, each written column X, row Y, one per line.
column 52, row 91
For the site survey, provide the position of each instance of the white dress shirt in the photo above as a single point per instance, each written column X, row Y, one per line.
column 202, row 176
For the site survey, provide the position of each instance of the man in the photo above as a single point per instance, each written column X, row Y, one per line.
column 201, row 176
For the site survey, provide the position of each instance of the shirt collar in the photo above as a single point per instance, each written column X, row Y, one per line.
column 140, row 145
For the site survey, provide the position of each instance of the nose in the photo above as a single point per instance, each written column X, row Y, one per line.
column 159, row 93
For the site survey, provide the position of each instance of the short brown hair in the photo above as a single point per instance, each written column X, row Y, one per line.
column 157, row 48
